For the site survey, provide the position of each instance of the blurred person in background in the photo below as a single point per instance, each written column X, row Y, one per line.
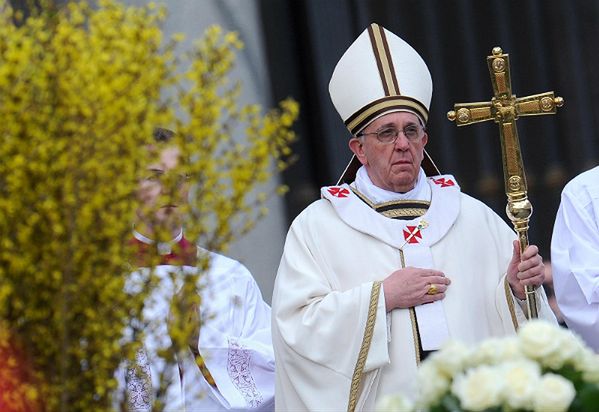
column 229, row 364
column 575, row 256
column 550, row 292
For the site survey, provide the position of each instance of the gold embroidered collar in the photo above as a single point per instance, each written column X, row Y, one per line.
column 397, row 209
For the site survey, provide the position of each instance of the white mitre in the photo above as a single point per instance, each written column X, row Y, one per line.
column 380, row 74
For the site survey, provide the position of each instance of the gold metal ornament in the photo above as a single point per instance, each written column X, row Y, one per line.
column 432, row 290
column 505, row 109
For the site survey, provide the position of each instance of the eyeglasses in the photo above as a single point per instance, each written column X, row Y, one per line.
column 167, row 178
column 387, row 135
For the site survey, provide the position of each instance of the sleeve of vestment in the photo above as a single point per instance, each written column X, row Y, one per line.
column 518, row 308
column 318, row 328
column 236, row 343
column 575, row 261
column 141, row 379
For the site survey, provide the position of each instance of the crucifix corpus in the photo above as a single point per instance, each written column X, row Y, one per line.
column 504, row 109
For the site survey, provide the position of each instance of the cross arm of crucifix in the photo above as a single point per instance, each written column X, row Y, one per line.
column 468, row 113
column 504, row 106
column 505, row 109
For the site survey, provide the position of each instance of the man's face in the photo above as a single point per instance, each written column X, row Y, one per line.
column 162, row 191
column 391, row 166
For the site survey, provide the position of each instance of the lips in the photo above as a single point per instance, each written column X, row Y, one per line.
column 403, row 162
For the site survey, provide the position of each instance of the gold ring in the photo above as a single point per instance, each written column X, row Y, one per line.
column 432, row 290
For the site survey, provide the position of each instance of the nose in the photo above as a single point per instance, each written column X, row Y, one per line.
column 166, row 187
column 401, row 143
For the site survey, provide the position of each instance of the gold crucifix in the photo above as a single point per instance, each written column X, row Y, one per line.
column 504, row 109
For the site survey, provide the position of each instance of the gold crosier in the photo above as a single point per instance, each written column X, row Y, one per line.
column 504, row 109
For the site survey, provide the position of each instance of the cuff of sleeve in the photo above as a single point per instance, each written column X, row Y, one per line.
column 542, row 306
column 215, row 349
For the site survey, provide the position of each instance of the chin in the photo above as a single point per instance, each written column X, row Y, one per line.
column 403, row 185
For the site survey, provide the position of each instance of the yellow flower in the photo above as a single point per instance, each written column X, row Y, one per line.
column 81, row 89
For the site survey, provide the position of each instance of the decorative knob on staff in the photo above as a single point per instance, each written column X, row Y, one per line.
column 504, row 109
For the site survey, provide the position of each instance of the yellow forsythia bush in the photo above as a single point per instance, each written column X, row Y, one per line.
column 81, row 89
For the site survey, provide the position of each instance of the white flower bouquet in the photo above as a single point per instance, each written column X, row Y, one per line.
column 544, row 368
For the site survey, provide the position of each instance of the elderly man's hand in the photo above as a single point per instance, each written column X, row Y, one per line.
column 411, row 286
column 525, row 270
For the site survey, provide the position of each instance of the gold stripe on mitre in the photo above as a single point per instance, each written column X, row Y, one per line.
column 384, row 62
column 366, row 114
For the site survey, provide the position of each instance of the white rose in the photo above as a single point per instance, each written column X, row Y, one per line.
column 520, row 381
column 554, row 393
column 495, row 350
column 431, row 383
column 589, row 365
column 485, row 353
column 479, row 388
column 572, row 349
column 451, row 359
column 394, row 403
column 540, row 340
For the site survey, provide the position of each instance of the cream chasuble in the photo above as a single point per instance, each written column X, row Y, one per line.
column 338, row 248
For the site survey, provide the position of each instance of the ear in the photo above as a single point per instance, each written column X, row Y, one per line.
column 356, row 146
column 424, row 139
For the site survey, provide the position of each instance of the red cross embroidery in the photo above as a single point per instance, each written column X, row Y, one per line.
column 412, row 234
column 338, row 191
column 444, row 182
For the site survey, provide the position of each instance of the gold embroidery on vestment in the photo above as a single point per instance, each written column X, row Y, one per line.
column 411, row 212
column 366, row 340
column 396, row 208
column 415, row 335
column 510, row 303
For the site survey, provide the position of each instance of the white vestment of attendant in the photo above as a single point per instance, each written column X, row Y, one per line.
column 336, row 250
column 575, row 256
column 235, row 343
